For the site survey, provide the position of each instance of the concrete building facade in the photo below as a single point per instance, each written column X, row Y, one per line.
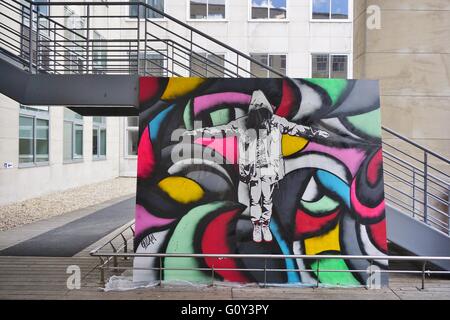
column 44, row 150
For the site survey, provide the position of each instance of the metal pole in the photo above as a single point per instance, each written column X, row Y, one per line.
column 88, row 31
column 145, row 41
column 414, row 193
column 369, row 284
column 102, row 271
column 37, row 39
column 425, row 186
column 30, row 42
column 265, row 272
column 212, row 275
column 160, row 271
column 138, row 35
column 317, row 272
column 423, row 274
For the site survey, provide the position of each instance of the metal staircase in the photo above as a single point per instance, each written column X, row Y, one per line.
column 104, row 46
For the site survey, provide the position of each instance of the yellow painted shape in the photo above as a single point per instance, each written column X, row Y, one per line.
column 292, row 144
column 181, row 189
column 326, row 242
column 177, row 87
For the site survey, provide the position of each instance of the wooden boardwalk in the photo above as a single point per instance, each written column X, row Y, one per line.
column 46, row 278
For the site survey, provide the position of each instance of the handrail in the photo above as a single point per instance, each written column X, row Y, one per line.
column 427, row 150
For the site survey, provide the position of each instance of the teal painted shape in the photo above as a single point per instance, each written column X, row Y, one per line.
column 155, row 124
column 369, row 123
column 334, row 87
column 182, row 241
column 335, row 184
column 293, row 276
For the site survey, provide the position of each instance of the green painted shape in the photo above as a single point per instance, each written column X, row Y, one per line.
column 187, row 116
column 334, row 278
column 324, row 204
column 182, row 241
column 369, row 123
column 220, row 117
column 334, row 87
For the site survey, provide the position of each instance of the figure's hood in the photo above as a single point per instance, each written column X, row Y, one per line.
column 259, row 101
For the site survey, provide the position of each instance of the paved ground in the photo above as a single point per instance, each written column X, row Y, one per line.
column 58, row 203
column 46, row 277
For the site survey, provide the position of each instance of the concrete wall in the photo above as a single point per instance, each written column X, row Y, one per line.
column 410, row 54
column 27, row 182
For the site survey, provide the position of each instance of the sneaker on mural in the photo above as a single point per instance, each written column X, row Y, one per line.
column 257, row 237
column 267, row 235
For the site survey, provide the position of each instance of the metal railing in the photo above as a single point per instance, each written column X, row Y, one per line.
column 105, row 256
column 114, row 38
column 417, row 180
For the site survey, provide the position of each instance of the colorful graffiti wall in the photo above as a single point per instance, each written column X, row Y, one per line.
column 309, row 182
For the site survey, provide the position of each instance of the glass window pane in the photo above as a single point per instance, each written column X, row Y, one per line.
column 256, row 70
column 278, row 9
column 320, row 68
column 99, row 119
column 216, row 66
column 78, row 152
column 71, row 115
column 216, row 9
column 158, row 4
column 153, row 65
column 321, row 9
column 133, row 136
column 95, row 142
column 260, row 9
column 198, row 9
column 103, row 142
column 339, row 66
column 41, row 140
column 277, row 62
column 133, row 9
column 339, row 9
column 133, row 121
column 26, row 146
column 198, row 65
column 68, row 147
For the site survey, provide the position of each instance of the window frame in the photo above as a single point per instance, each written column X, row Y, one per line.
column 74, row 122
column 130, row 18
column 189, row 19
column 99, row 126
column 35, row 115
column 126, row 144
column 330, row 54
column 268, row 60
column 350, row 13
column 165, row 67
column 250, row 19
column 224, row 54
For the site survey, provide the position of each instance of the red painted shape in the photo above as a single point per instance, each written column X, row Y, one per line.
column 378, row 235
column 146, row 159
column 287, row 100
column 306, row 224
column 148, row 88
column 214, row 241
column 374, row 168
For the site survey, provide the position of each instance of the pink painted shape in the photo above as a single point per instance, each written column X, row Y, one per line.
column 351, row 157
column 145, row 220
column 362, row 210
column 207, row 101
column 227, row 147
column 146, row 160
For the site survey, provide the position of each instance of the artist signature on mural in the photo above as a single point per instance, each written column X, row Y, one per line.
column 148, row 240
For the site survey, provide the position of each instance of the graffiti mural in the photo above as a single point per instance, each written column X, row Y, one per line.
column 259, row 166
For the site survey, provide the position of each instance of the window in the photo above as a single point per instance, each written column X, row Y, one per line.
column 98, row 54
column 73, row 136
column 275, row 61
column 151, row 14
column 132, row 136
column 153, row 65
column 268, row 9
column 207, row 9
column 33, row 135
column 74, row 34
column 329, row 66
column 99, row 137
column 330, row 9
column 208, row 65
